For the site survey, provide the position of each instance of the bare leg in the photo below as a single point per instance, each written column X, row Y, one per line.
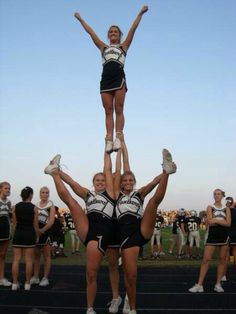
column 72, row 183
column 78, row 215
column 94, row 258
column 28, row 256
column 221, row 262
column 205, row 263
column 3, row 252
column 119, row 108
column 129, row 258
column 37, row 253
column 234, row 254
column 15, row 264
column 149, row 217
column 107, row 101
column 47, row 260
column 113, row 255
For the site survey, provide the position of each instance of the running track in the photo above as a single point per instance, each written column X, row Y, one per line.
column 159, row 290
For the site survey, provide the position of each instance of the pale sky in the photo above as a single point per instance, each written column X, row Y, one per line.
column 180, row 73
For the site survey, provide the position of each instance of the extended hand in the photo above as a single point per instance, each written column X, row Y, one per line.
column 144, row 9
column 77, row 15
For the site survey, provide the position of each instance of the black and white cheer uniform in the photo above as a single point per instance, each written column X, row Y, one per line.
column 43, row 219
column 114, row 240
column 100, row 208
column 217, row 234
column 24, row 235
column 129, row 212
column 113, row 75
column 5, row 222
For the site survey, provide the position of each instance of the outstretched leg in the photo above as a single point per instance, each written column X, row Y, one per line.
column 78, row 215
column 149, row 217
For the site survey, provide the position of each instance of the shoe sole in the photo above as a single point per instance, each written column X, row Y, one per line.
column 166, row 155
column 55, row 160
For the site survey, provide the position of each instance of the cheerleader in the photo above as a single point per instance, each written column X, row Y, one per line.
column 218, row 220
column 113, row 83
column 5, row 221
column 136, row 225
column 95, row 227
column 46, row 216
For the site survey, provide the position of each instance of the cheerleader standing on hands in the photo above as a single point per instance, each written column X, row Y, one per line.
column 113, row 83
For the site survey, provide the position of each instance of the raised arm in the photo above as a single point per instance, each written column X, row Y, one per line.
column 97, row 41
column 145, row 190
column 76, row 187
column 117, row 177
column 126, row 43
column 126, row 166
column 108, row 175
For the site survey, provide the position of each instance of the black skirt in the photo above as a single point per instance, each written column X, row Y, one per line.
column 24, row 237
column 113, row 77
column 218, row 235
column 4, row 229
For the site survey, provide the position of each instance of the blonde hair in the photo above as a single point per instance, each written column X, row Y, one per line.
column 98, row 174
column 2, row 184
column 219, row 190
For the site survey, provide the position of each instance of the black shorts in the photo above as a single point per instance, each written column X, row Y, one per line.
column 114, row 239
column 24, row 237
column 99, row 231
column 130, row 235
column 218, row 235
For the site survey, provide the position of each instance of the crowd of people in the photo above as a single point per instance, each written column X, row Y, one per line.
column 40, row 229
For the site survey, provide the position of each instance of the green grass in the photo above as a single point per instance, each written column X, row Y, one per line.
column 166, row 260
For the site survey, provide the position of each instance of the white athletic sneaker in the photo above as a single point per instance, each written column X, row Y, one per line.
column 34, row 281
column 44, row 282
column 5, row 283
column 168, row 164
column 132, row 312
column 27, row 286
column 223, row 279
column 126, row 308
column 117, row 144
column 115, row 303
column 109, row 146
column 218, row 288
column 15, row 286
column 90, row 311
column 196, row 288
column 56, row 160
column 50, row 168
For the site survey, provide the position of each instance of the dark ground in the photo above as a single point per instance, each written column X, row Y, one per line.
column 159, row 290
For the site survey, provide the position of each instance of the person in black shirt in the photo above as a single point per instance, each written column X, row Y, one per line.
column 25, row 222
